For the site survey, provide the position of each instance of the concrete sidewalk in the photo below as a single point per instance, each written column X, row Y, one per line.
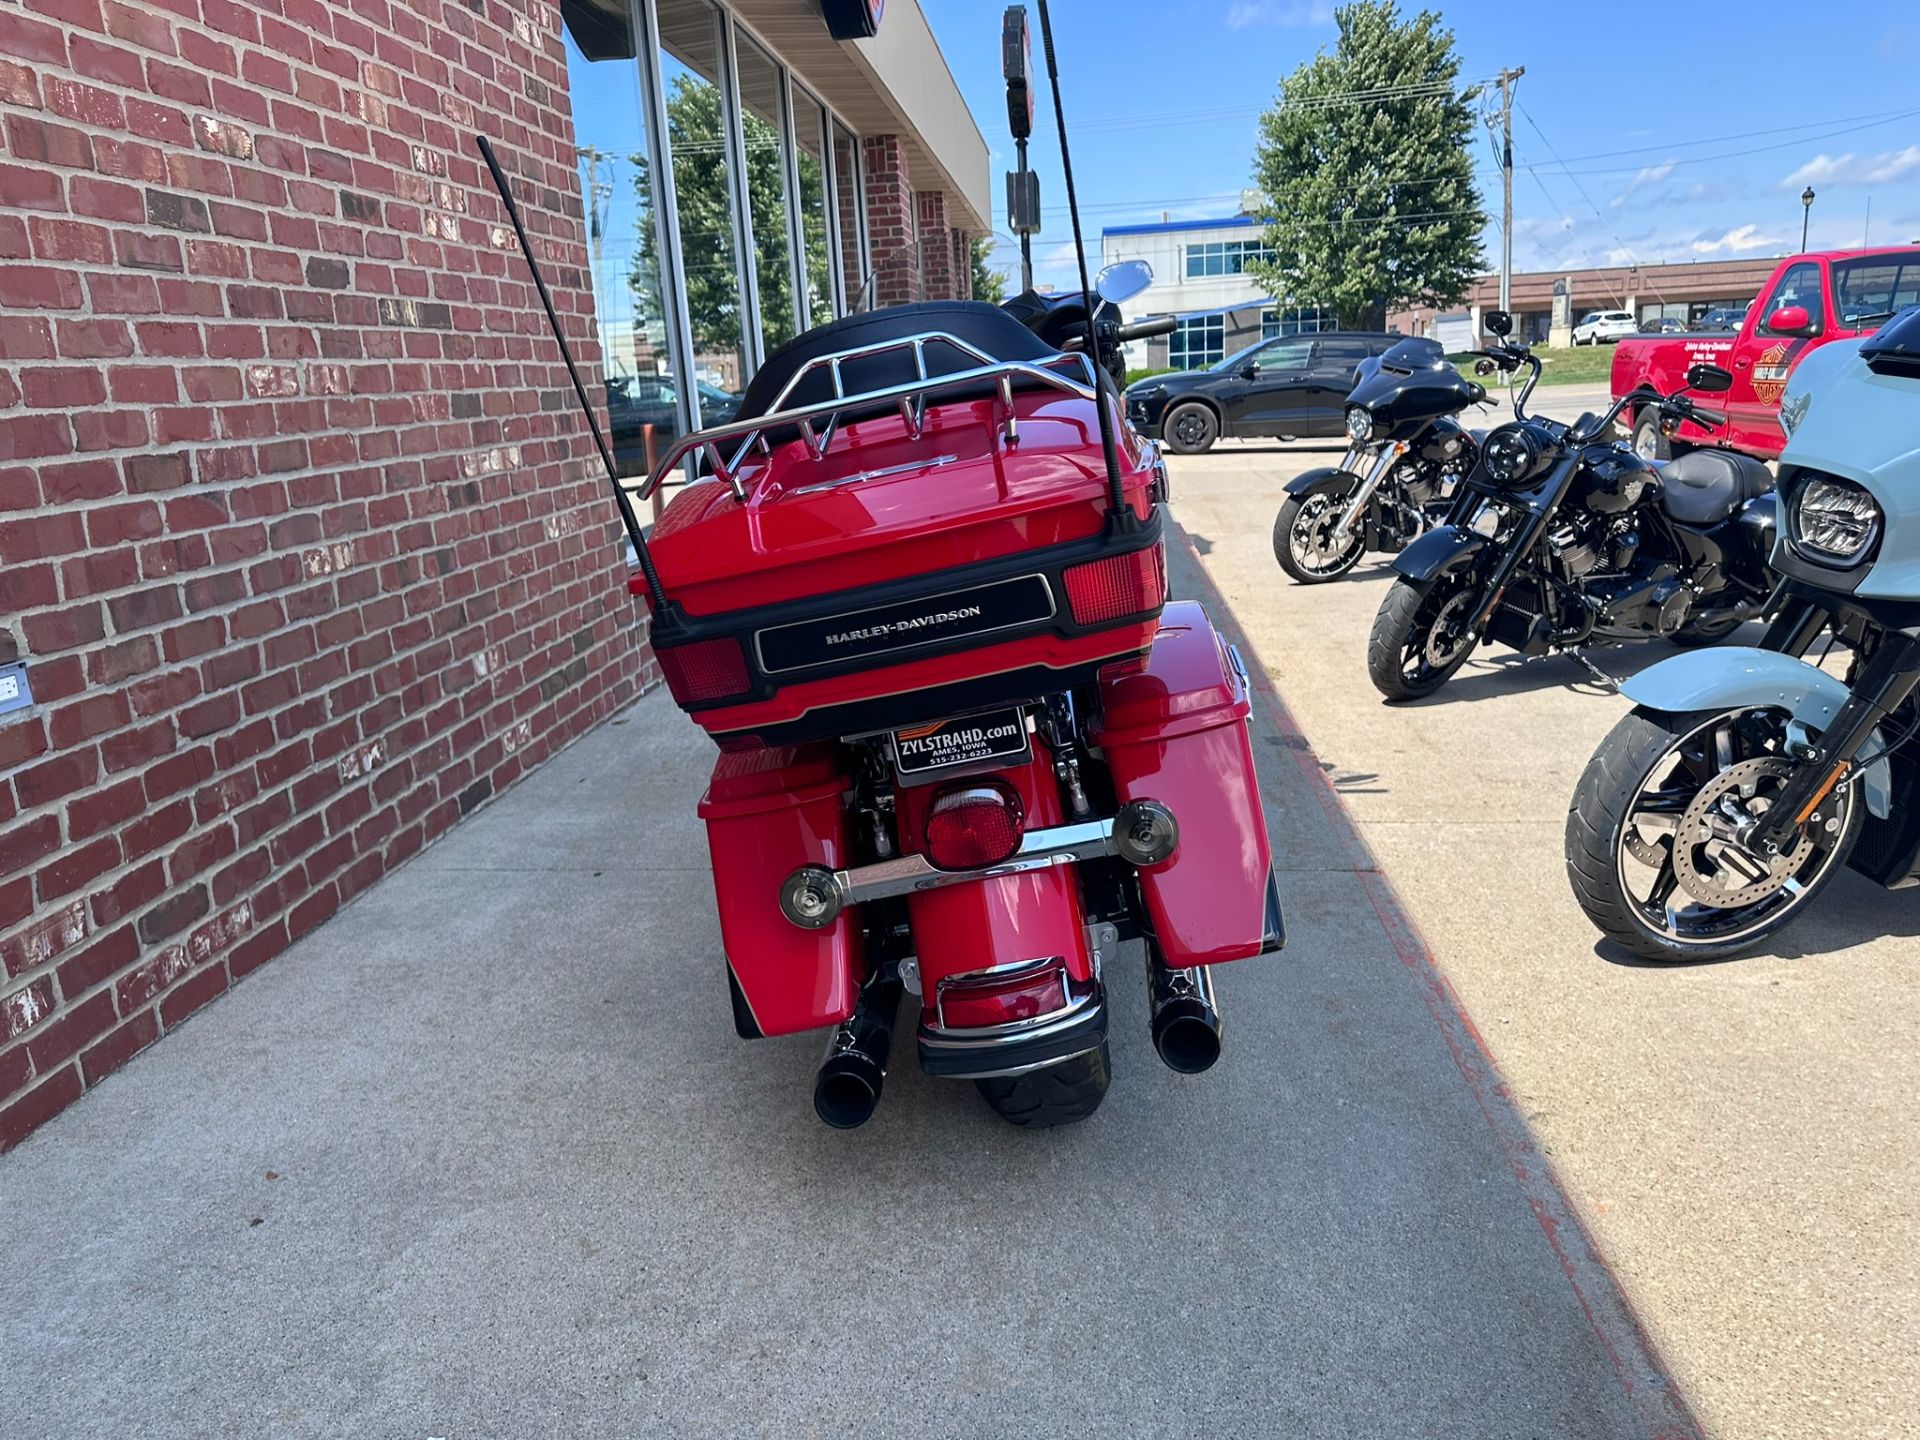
column 481, row 1157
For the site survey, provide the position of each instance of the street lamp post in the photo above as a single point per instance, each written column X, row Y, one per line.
column 1806, row 213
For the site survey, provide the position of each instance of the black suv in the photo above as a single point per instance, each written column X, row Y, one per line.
column 1292, row 387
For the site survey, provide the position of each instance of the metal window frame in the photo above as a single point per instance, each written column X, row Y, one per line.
column 666, row 219
column 797, row 94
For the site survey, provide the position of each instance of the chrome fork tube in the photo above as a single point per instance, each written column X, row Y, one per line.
column 1368, row 484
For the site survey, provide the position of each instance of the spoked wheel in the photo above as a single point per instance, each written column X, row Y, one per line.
column 1654, row 846
column 1303, row 538
column 1058, row 1095
column 1420, row 635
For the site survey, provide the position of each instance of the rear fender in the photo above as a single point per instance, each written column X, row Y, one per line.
column 1735, row 677
column 1441, row 551
column 1002, row 920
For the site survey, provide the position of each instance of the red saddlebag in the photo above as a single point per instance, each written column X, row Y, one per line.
column 1176, row 731
column 768, row 812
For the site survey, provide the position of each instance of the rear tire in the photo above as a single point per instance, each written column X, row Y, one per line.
column 1332, row 495
column 1189, row 428
column 1406, row 619
column 1061, row 1094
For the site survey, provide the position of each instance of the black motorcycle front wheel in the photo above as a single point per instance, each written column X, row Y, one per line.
column 1061, row 1094
column 1653, row 835
column 1420, row 635
column 1303, row 538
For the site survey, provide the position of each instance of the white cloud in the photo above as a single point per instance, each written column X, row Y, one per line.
column 1736, row 241
column 1243, row 13
column 1648, row 175
column 1852, row 169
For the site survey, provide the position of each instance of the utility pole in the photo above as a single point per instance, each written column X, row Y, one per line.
column 1507, row 79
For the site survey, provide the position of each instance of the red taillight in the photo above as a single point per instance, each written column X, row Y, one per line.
column 1119, row 585
column 704, row 670
column 1024, row 992
column 973, row 825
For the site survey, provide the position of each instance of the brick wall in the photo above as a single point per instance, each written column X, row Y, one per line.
column 936, row 243
column 890, row 222
column 298, row 539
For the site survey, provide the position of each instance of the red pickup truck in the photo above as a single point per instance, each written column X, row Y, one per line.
column 1808, row 301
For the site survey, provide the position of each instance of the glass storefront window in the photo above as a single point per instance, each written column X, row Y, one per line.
column 617, row 200
column 810, row 141
column 690, row 73
column 846, row 204
column 768, row 204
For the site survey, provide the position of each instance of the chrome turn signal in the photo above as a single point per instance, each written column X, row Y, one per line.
column 1145, row 833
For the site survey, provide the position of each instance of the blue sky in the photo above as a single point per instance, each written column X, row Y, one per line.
column 1635, row 138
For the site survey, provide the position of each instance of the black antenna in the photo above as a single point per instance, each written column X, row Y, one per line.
column 620, row 496
column 1117, row 511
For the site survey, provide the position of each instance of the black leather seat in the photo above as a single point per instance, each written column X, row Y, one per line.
column 987, row 328
column 1704, row 487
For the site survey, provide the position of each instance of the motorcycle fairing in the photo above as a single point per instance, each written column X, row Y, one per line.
column 1732, row 676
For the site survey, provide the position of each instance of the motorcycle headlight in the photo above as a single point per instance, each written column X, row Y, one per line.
column 1834, row 520
column 1359, row 424
column 1510, row 456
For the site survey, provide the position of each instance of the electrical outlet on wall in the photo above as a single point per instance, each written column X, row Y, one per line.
column 14, row 693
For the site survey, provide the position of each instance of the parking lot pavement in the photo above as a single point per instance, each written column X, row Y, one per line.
column 1743, row 1138
column 481, row 1157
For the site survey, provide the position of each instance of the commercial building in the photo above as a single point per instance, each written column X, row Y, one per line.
column 304, row 551
column 1201, row 276
column 1685, row 291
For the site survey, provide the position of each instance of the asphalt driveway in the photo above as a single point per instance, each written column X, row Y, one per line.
column 481, row 1157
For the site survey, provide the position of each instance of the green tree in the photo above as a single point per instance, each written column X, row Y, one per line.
column 988, row 284
column 696, row 141
column 1367, row 172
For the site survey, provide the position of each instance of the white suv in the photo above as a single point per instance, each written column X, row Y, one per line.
column 1604, row 325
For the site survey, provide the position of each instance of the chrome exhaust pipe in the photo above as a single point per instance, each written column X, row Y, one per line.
column 1186, row 1017
column 847, row 1090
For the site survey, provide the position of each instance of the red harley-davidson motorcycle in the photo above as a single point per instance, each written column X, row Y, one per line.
column 917, row 595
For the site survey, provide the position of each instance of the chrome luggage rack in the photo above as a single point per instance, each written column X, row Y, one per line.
column 818, row 422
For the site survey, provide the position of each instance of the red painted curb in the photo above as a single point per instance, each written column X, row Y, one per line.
column 1651, row 1390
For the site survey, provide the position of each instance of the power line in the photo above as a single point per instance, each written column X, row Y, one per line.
column 1752, row 150
column 1625, row 249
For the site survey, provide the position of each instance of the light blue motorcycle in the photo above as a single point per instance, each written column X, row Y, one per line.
column 1745, row 778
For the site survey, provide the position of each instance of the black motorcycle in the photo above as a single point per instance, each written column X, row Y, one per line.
column 1398, row 479
column 1563, row 538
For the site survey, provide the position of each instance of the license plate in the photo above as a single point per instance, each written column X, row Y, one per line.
column 997, row 737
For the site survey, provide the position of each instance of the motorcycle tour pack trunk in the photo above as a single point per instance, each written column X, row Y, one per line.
column 932, row 571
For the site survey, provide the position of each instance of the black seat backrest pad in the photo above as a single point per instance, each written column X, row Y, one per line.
column 985, row 327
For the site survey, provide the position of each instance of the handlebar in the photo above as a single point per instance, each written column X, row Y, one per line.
column 1709, row 417
column 1141, row 329
column 1509, row 358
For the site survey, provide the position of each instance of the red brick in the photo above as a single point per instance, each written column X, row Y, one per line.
column 191, row 995
column 82, row 720
column 131, row 747
column 129, row 893
column 157, row 830
column 52, row 779
column 52, row 631
column 47, row 1099
column 79, row 1025
column 77, row 867
column 70, row 240
column 104, row 809
column 121, row 1046
column 25, row 1009
column 87, row 967
column 93, row 339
